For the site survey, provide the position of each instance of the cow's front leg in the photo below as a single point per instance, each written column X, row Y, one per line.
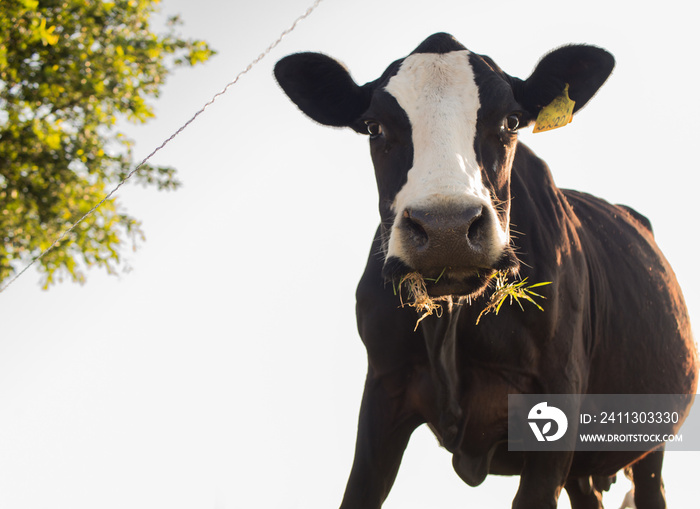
column 583, row 494
column 384, row 428
column 648, row 484
column 542, row 479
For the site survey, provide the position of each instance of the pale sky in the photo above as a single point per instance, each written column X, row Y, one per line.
column 224, row 370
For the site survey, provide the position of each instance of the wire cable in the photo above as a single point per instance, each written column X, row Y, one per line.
column 184, row 126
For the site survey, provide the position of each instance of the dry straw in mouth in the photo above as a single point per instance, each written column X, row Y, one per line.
column 425, row 305
column 418, row 296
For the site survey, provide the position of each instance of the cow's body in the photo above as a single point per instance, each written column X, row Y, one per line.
column 614, row 320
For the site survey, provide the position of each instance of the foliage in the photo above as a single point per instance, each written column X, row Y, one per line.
column 70, row 71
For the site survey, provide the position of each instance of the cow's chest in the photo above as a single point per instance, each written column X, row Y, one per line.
column 469, row 371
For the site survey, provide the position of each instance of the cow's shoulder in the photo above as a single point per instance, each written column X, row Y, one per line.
column 641, row 218
column 601, row 215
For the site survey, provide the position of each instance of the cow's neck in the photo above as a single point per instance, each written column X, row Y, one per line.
column 545, row 223
column 440, row 335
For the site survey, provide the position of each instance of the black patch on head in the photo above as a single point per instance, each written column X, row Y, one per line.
column 439, row 43
column 392, row 152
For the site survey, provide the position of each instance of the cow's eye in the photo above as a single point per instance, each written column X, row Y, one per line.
column 374, row 129
column 512, row 122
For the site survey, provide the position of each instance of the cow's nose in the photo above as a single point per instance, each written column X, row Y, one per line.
column 452, row 237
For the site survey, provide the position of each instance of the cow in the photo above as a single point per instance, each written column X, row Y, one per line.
column 463, row 203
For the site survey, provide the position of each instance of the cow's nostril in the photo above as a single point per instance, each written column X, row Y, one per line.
column 412, row 225
column 475, row 226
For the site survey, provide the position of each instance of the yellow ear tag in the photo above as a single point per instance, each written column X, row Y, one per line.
column 556, row 114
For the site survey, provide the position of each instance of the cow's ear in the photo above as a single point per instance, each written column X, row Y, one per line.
column 323, row 89
column 583, row 68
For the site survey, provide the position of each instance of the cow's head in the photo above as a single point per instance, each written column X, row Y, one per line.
column 442, row 125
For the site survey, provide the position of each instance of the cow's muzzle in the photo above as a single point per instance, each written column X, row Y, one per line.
column 445, row 238
column 457, row 249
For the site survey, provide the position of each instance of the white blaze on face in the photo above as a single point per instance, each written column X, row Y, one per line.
column 441, row 99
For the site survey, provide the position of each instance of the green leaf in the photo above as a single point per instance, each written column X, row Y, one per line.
column 30, row 5
column 511, row 291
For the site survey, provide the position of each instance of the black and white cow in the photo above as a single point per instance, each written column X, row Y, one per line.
column 460, row 200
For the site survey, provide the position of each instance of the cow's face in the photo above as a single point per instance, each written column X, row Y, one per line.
column 442, row 152
column 442, row 126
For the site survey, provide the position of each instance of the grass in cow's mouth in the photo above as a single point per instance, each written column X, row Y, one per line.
column 511, row 291
column 425, row 305
column 418, row 296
